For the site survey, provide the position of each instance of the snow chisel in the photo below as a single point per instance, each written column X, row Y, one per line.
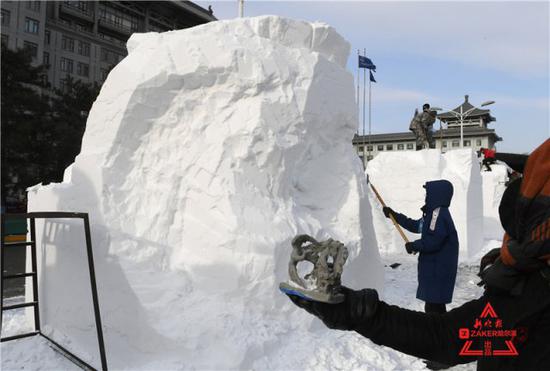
column 391, row 215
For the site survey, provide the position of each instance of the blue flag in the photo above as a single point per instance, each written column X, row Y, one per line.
column 365, row 62
column 372, row 77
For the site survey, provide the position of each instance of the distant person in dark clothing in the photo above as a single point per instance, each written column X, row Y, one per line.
column 517, row 290
column 421, row 125
column 438, row 246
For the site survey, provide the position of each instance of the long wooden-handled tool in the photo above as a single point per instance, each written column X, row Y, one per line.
column 391, row 215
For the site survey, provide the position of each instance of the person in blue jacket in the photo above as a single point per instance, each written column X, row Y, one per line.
column 437, row 246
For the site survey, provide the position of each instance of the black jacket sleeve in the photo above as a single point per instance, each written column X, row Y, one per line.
column 429, row 336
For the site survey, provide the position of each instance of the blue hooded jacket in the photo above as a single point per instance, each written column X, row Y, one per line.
column 438, row 244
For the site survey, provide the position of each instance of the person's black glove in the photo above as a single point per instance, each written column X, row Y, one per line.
column 488, row 259
column 357, row 308
column 388, row 211
column 409, row 246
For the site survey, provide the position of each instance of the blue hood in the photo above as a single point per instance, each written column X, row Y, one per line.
column 438, row 193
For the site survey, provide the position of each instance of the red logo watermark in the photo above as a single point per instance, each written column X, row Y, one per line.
column 487, row 330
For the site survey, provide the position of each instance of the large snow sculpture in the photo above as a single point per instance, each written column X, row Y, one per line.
column 206, row 151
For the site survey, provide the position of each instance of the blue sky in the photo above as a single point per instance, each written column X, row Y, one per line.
column 437, row 52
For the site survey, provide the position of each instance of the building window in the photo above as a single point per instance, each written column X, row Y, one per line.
column 5, row 17
column 111, row 39
column 47, row 35
column 444, row 144
column 410, row 146
column 31, row 25
column 118, row 18
column 84, row 28
column 66, row 65
column 63, row 85
column 67, row 43
column 456, row 143
column 109, row 56
column 360, row 149
column 33, row 5
column 369, row 148
column 31, row 48
column 380, row 147
column 83, row 69
column 478, row 142
column 84, row 48
column 389, row 147
column 467, row 143
column 46, row 59
column 104, row 73
column 80, row 5
column 400, row 147
column 157, row 28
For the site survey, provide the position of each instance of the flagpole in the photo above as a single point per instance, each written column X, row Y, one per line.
column 241, row 8
column 357, row 96
column 364, row 91
column 370, row 84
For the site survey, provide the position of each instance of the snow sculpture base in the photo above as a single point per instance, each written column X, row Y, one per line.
column 323, row 282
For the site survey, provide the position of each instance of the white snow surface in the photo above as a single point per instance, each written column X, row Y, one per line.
column 324, row 349
column 493, row 188
column 399, row 176
column 206, row 152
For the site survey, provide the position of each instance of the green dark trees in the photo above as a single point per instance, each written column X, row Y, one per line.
column 23, row 112
column 70, row 108
column 41, row 128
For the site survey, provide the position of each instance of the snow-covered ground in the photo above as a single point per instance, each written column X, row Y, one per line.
column 352, row 350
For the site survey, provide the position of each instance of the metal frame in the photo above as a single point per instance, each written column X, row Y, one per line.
column 34, row 274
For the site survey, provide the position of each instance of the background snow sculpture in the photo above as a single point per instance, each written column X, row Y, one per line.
column 399, row 177
column 206, row 151
column 494, row 184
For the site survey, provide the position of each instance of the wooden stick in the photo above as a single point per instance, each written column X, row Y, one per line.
column 391, row 215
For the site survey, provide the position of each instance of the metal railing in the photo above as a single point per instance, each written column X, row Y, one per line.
column 34, row 274
column 105, row 22
column 78, row 8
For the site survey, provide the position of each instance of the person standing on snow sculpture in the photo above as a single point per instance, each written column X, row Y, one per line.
column 421, row 126
column 516, row 278
column 488, row 157
column 438, row 246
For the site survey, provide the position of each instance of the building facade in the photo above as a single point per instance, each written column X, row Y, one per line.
column 85, row 39
column 476, row 134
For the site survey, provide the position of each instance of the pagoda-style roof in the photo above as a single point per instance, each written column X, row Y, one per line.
column 467, row 106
